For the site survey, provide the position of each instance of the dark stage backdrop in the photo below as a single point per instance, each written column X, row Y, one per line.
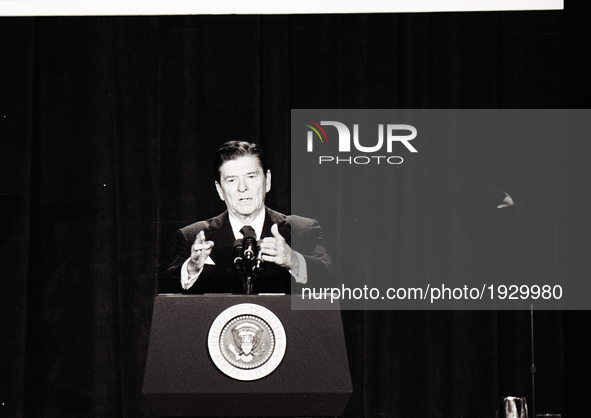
column 107, row 128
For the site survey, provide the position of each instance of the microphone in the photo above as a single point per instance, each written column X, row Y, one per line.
column 259, row 263
column 249, row 243
column 250, row 260
column 237, row 254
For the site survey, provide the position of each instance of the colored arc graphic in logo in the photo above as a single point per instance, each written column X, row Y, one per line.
column 316, row 130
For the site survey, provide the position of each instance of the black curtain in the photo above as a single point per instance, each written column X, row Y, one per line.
column 107, row 130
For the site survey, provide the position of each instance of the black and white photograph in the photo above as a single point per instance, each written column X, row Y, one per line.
column 308, row 210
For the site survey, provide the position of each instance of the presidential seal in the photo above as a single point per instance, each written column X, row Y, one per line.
column 247, row 341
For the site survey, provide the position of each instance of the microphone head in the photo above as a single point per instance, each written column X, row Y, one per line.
column 258, row 267
column 237, row 254
column 249, row 242
column 249, row 245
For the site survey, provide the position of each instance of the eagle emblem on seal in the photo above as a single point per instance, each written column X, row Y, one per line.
column 247, row 342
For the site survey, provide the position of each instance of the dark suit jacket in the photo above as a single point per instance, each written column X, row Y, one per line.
column 302, row 234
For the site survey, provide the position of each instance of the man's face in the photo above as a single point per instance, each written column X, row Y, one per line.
column 243, row 187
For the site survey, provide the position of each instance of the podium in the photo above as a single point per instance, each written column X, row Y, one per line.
column 307, row 375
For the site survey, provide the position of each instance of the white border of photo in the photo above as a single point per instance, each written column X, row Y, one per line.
column 223, row 7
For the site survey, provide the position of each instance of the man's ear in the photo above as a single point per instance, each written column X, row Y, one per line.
column 268, row 178
column 220, row 191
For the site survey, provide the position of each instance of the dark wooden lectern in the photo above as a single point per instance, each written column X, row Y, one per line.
column 181, row 379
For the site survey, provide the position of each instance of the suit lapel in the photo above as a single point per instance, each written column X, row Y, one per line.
column 220, row 232
column 272, row 217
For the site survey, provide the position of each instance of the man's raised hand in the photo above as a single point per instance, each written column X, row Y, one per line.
column 275, row 249
column 200, row 250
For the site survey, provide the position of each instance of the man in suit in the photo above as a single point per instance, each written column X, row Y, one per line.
column 291, row 246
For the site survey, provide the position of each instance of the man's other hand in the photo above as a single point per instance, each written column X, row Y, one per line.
column 200, row 250
column 275, row 249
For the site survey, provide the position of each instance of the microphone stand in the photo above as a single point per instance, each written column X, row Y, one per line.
column 242, row 265
column 248, row 261
column 249, row 284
